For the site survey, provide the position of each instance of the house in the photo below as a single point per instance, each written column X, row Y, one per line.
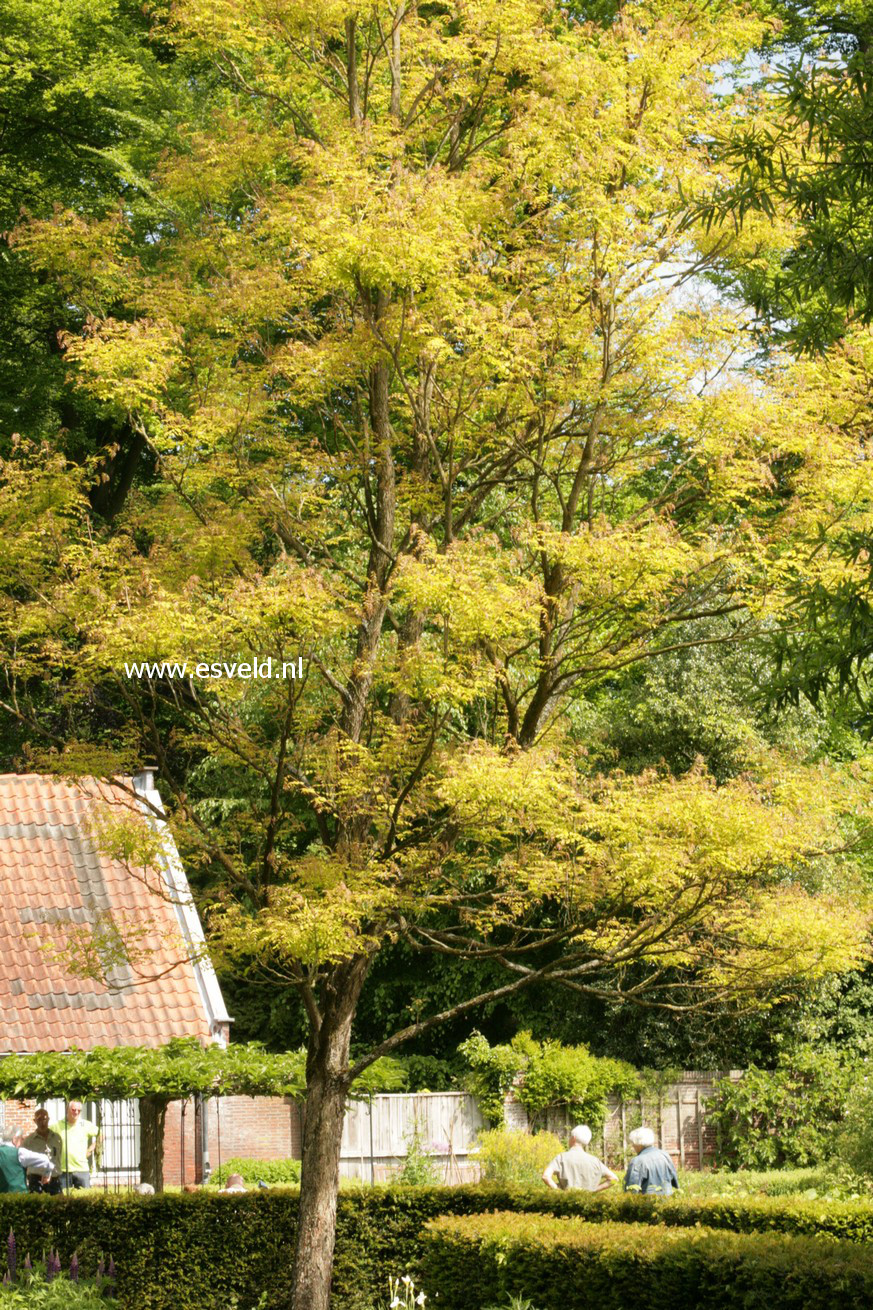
column 93, row 950
column 96, row 950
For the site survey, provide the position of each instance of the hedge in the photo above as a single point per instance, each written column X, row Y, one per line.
column 192, row 1252
column 570, row 1264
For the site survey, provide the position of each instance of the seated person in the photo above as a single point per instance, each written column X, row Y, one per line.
column 234, row 1184
column 16, row 1159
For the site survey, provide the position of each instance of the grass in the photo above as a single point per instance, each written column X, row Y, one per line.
column 822, row 1182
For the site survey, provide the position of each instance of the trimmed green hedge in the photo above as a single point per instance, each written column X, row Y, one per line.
column 181, row 1252
column 570, row 1264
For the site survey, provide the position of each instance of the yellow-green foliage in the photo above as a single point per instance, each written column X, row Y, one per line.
column 431, row 400
column 569, row 1264
column 544, row 1076
column 508, row 1155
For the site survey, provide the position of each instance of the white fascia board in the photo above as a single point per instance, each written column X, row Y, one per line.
column 186, row 911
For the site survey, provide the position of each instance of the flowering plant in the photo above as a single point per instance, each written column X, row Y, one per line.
column 44, row 1286
column 403, row 1294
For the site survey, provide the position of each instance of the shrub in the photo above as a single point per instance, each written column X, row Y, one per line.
column 277, row 1173
column 550, row 1076
column 45, row 1286
column 419, row 1168
column 429, row 1073
column 826, row 1183
column 854, row 1142
column 784, row 1117
column 573, row 1265
column 509, row 1156
column 179, row 1252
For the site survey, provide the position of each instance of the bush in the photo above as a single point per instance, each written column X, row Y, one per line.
column 419, row 1168
column 509, row 1156
column 180, row 1252
column 832, row 1183
column 784, row 1117
column 854, row 1142
column 44, row 1286
column 429, row 1073
column 572, row 1265
column 277, row 1173
column 546, row 1076
column 58, row 1294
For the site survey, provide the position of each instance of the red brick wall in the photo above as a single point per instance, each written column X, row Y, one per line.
column 261, row 1127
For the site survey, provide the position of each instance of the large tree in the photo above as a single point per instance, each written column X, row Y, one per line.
column 441, row 418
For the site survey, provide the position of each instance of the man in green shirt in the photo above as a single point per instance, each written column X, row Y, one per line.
column 80, row 1139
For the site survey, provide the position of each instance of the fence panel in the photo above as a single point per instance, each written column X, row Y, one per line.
column 377, row 1133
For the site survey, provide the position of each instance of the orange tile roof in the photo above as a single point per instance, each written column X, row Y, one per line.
column 55, row 886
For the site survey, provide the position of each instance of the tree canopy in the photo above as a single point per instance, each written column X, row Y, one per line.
column 444, row 433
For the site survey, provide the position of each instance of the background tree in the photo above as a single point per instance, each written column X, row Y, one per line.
column 799, row 152
column 437, row 406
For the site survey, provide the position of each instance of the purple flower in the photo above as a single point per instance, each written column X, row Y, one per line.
column 111, row 1270
column 50, row 1267
column 10, row 1254
column 74, row 1268
column 28, row 1264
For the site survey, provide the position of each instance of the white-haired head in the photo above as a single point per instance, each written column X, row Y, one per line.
column 581, row 1134
column 641, row 1138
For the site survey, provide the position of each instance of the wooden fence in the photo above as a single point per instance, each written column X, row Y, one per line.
column 378, row 1132
column 677, row 1115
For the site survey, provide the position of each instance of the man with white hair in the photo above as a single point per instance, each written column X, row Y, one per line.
column 576, row 1168
column 652, row 1172
column 16, row 1159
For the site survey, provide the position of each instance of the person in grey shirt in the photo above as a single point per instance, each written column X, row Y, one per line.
column 652, row 1172
column 575, row 1168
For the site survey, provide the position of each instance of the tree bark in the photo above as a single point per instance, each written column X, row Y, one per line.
column 152, row 1114
column 327, row 1085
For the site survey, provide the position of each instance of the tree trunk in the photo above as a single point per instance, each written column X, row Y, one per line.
column 327, row 1085
column 319, row 1186
column 152, row 1113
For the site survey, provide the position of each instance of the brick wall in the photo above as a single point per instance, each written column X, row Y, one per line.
column 261, row 1127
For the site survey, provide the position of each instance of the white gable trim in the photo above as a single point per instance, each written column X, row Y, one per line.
column 186, row 911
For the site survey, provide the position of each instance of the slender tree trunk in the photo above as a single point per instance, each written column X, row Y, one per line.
column 327, row 1085
column 316, row 1231
column 152, row 1114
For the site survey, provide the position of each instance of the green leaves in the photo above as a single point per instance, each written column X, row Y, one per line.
column 180, row 1069
column 544, row 1076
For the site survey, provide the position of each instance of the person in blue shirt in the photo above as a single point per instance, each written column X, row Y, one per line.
column 652, row 1172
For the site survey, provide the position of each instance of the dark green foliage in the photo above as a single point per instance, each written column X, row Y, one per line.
column 180, row 1252
column 571, row 1265
column 784, row 1117
column 812, row 162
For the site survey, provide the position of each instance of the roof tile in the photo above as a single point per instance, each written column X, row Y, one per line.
column 56, row 881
